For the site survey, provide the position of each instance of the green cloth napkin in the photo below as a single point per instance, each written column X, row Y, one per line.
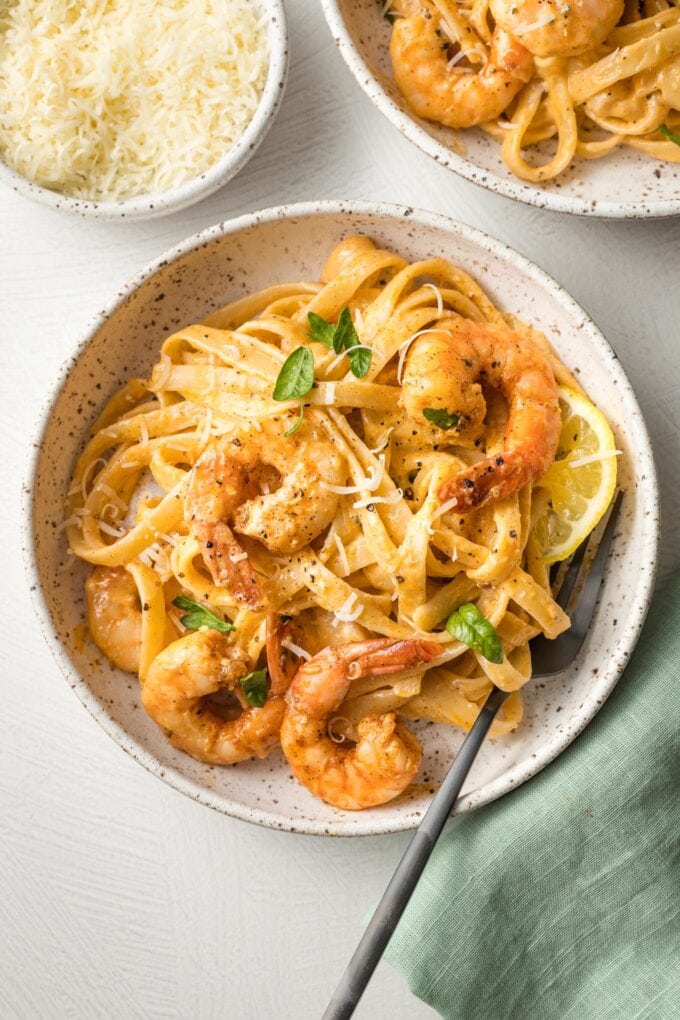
column 561, row 900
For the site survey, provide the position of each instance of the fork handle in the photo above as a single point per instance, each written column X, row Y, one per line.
column 410, row 868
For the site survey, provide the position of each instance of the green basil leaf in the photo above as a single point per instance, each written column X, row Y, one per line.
column 360, row 360
column 296, row 377
column 255, row 687
column 320, row 330
column 197, row 616
column 441, row 418
column 468, row 625
column 345, row 333
column 293, row 429
column 667, row 133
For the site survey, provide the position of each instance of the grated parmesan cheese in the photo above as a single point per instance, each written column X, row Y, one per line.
column 345, row 354
column 403, row 350
column 342, row 553
column 591, row 458
column 435, row 290
column 370, row 483
column 87, row 476
column 115, row 98
column 444, row 508
column 161, row 373
column 302, row 653
column 383, row 440
column 108, row 530
column 533, row 26
column 346, row 614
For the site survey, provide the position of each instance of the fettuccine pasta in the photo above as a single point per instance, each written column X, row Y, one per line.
column 246, row 531
column 544, row 77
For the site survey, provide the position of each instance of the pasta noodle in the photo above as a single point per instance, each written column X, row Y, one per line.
column 387, row 559
column 580, row 80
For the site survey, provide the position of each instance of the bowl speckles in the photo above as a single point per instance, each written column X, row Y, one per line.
column 625, row 184
column 246, row 254
column 143, row 207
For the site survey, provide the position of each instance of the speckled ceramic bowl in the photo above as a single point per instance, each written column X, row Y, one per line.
column 625, row 184
column 143, row 207
column 238, row 257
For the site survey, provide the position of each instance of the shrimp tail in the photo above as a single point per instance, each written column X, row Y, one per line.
column 384, row 656
column 228, row 563
column 489, row 480
column 279, row 665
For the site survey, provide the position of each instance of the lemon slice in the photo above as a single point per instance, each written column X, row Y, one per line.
column 581, row 482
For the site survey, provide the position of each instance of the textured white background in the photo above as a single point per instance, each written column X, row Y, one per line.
column 119, row 897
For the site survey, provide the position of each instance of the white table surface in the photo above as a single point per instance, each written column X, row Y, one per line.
column 118, row 896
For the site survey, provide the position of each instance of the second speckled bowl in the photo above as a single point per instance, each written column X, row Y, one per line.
column 626, row 184
column 244, row 255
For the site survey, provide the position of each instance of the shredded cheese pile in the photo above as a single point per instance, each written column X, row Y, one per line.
column 109, row 99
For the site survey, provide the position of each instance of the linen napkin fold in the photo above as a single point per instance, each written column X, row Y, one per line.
column 562, row 900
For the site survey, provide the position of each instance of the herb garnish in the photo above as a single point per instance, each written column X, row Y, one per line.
column 469, row 626
column 341, row 337
column 255, row 687
column 296, row 377
column 321, row 330
column 293, row 429
column 197, row 616
column 441, row 418
column 667, row 133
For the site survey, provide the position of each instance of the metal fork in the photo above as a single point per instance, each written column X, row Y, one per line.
column 548, row 659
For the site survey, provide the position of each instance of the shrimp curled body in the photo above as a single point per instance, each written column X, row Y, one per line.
column 386, row 756
column 458, row 97
column 271, row 488
column 114, row 616
column 445, row 370
column 552, row 28
column 176, row 695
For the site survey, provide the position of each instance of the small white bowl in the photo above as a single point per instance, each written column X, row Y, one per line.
column 142, row 207
column 626, row 184
column 236, row 258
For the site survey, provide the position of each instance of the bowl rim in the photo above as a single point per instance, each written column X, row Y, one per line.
column 594, row 696
column 155, row 204
column 530, row 194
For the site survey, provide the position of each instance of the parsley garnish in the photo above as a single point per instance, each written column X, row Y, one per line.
column 341, row 337
column 469, row 626
column 667, row 133
column 255, row 687
column 197, row 616
column 296, row 377
column 441, row 418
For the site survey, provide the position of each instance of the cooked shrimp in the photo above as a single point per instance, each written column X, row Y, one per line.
column 114, row 616
column 553, row 28
column 269, row 487
column 456, row 96
column 445, row 370
column 386, row 756
column 177, row 691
